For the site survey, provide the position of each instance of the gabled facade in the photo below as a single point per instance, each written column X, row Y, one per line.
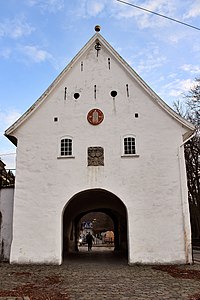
column 99, row 139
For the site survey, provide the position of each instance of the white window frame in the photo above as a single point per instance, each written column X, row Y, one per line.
column 123, row 146
column 66, row 137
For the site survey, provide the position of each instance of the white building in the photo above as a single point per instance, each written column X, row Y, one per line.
column 99, row 139
column 6, row 211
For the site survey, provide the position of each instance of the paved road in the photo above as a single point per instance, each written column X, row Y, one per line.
column 100, row 275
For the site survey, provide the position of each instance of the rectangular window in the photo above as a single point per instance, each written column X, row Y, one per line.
column 129, row 145
column 66, row 147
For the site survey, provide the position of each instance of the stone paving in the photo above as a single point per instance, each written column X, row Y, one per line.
column 14, row 298
column 196, row 256
column 99, row 275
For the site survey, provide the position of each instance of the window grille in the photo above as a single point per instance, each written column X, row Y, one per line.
column 66, row 147
column 129, row 145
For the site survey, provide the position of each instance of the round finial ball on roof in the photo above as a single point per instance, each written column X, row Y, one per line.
column 97, row 28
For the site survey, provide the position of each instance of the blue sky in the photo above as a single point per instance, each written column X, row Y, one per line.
column 38, row 38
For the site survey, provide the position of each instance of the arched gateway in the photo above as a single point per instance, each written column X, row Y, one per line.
column 94, row 200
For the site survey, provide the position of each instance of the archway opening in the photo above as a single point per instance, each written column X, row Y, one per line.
column 105, row 205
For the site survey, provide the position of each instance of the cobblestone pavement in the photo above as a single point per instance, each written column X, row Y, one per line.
column 99, row 275
column 196, row 256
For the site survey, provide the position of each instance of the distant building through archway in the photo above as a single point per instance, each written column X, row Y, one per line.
column 100, row 225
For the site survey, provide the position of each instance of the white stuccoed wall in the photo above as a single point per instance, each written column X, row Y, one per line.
column 148, row 185
column 6, row 209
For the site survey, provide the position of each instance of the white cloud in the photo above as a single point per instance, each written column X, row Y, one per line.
column 172, row 75
column 5, row 52
column 196, row 47
column 148, row 59
column 95, row 7
column 150, row 63
column 175, row 37
column 191, row 68
column 187, row 84
column 194, row 11
column 178, row 87
column 35, row 53
column 47, row 5
column 15, row 28
column 8, row 117
column 32, row 2
column 91, row 8
column 145, row 19
column 8, row 157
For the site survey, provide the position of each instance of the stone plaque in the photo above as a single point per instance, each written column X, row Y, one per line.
column 95, row 156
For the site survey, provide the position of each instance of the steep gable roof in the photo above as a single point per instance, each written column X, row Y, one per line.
column 98, row 37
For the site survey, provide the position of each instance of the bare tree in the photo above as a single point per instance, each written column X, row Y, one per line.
column 189, row 108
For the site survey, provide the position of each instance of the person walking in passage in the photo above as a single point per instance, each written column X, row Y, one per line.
column 89, row 240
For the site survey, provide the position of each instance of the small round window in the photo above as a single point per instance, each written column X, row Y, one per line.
column 113, row 93
column 76, row 95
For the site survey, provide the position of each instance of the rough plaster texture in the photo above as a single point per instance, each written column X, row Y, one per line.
column 149, row 184
column 6, row 210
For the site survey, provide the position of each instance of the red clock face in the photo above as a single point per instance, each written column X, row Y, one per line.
column 95, row 116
